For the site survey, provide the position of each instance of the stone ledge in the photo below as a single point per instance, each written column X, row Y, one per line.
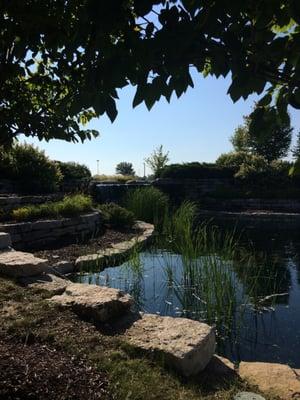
column 118, row 252
column 27, row 234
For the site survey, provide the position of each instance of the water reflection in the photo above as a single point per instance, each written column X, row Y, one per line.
column 254, row 302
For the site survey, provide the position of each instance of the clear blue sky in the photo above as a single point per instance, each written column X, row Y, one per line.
column 195, row 127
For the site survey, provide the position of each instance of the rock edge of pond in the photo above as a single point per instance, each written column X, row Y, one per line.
column 150, row 334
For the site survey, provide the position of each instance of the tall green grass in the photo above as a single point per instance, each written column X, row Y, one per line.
column 148, row 204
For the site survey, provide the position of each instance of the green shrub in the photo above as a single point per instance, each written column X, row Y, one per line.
column 69, row 206
column 117, row 216
column 34, row 170
column 73, row 171
column 148, row 204
column 195, row 170
column 7, row 164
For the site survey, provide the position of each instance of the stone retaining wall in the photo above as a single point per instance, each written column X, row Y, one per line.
column 8, row 203
column 190, row 189
column 252, row 220
column 26, row 235
column 277, row 205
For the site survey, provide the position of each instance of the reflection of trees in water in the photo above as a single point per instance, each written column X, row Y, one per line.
column 264, row 276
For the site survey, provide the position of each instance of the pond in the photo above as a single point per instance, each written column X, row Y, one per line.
column 253, row 300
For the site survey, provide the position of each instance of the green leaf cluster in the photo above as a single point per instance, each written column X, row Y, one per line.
column 62, row 63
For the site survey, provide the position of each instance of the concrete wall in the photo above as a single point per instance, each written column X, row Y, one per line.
column 26, row 235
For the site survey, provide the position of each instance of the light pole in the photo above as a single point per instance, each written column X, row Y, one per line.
column 97, row 167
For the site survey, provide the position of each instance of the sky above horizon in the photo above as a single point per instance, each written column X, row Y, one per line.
column 195, row 127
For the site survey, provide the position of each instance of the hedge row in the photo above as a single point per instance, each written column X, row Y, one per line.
column 34, row 172
column 196, row 170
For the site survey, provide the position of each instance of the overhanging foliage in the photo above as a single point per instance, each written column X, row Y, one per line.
column 62, row 61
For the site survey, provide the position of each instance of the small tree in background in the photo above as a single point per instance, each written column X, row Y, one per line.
column 296, row 149
column 125, row 168
column 269, row 135
column 157, row 160
column 240, row 138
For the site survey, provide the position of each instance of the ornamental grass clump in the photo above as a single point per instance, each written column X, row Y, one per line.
column 117, row 216
column 148, row 204
column 68, row 207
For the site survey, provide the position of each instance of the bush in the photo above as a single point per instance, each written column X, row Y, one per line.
column 69, row 206
column 73, row 171
column 35, row 172
column 195, row 170
column 148, row 204
column 117, row 216
column 7, row 164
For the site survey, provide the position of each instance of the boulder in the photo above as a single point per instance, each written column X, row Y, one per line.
column 183, row 344
column 94, row 302
column 277, row 379
column 17, row 264
column 52, row 283
column 5, row 241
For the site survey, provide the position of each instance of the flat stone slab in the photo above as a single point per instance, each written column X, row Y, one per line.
column 277, row 379
column 185, row 345
column 17, row 264
column 49, row 282
column 94, row 302
column 248, row 396
column 5, row 240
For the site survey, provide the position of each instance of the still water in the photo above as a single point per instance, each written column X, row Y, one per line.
column 254, row 303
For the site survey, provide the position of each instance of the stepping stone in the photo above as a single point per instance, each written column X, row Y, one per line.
column 49, row 282
column 5, row 241
column 277, row 379
column 183, row 344
column 90, row 261
column 16, row 264
column 63, row 267
column 248, row 396
column 94, row 302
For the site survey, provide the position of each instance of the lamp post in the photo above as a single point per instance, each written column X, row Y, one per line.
column 97, row 167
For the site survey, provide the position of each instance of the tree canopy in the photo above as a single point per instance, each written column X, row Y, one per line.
column 63, row 61
column 125, row 168
column 271, row 137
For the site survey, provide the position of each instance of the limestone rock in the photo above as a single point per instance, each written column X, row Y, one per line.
column 63, row 267
column 248, row 396
column 49, row 282
column 90, row 260
column 277, row 379
column 17, row 264
column 183, row 344
column 94, row 302
column 5, row 240
column 220, row 366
